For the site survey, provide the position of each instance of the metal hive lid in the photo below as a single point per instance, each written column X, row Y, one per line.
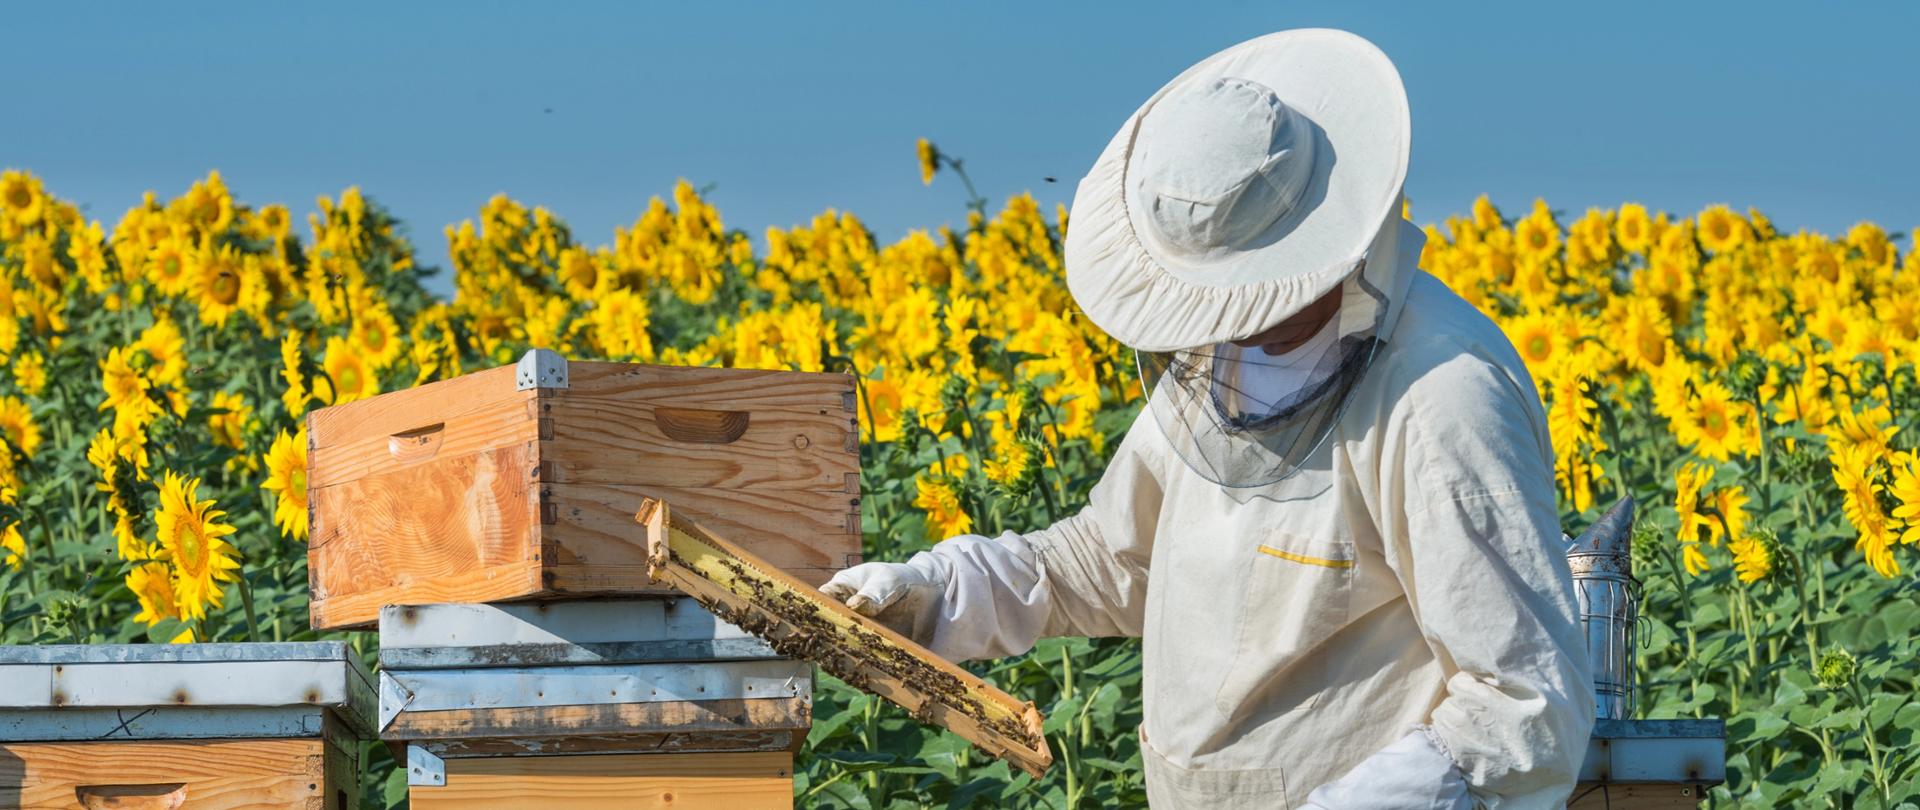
column 326, row 674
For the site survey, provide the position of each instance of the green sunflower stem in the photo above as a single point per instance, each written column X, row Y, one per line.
column 246, row 600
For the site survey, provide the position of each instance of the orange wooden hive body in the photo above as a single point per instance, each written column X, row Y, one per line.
column 521, row 482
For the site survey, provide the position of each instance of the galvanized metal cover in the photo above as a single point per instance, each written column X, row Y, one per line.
column 1681, row 752
column 560, row 633
column 428, row 690
column 60, row 678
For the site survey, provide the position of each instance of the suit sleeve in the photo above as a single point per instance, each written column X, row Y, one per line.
column 1469, row 525
column 1085, row 575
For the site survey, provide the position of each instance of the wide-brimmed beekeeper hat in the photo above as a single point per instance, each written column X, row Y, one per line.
column 1248, row 187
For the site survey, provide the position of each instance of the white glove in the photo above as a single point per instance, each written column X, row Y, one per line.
column 1410, row 774
column 906, row 597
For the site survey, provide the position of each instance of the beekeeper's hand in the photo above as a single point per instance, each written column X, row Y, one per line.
column 904, row 596
column 1411, row 773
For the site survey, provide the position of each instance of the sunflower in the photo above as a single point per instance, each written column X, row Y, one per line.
column 207, row 205
column 1715, row 426
column 30, row 373
column 273, row 222
column 580, row 272
column 945, row 517
column 192, row 538
column 880, row 407
column 929, row 160
column 17, row 425
column 152, row 583
column 1632, row 229
column 13, row 545
column 347, row 368
column 1539, row 342
column 228, row 423
column 1866, row 428
column 1722, row 230
column 1646, row 332
column 287, row 480
column 1536, row 235
column 1731, row 503
column 1752, row 558
column 125, row 385
column 20, row 197
column 1687, row 483
column 1905, row 488
column 167, row 349
column 170, row 264
column 222, row 285
column 374, row 332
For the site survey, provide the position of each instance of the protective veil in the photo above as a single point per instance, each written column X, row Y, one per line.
column 1241, row 418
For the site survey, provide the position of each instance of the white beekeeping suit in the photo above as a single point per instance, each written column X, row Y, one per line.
column 1341, row 558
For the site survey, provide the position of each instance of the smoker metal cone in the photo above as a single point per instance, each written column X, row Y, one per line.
column 1610, row 536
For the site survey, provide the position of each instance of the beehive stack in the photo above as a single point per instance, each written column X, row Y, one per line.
column 639, row 702
column 205, row 726
column 526, row 654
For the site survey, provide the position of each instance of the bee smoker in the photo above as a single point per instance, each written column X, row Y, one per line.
column 1609, row 601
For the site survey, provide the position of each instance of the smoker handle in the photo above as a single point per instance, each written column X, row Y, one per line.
column 169, row 796
column 700, row 426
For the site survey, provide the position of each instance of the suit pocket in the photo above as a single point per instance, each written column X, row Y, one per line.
column 1295, row 598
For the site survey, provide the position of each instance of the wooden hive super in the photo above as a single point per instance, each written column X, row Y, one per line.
column 521, row 482
column 199, row 726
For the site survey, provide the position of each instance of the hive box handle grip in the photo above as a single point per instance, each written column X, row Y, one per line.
column 418, row 444
column 132, row 797
column 699, row 426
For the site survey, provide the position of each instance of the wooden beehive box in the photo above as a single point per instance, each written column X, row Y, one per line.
column 201, row 726
column 587, row 704
column 521, row 482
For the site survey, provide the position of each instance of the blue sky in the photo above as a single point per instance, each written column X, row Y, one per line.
column 1807, row 111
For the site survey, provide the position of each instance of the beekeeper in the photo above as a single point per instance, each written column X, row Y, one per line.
column 1333, row 523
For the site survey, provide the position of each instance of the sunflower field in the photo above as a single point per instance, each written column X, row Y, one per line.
column 1754, row 390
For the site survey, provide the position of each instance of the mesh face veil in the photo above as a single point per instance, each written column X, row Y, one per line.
column 1242, row 418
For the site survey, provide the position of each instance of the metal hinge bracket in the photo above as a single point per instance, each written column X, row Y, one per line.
column 425, row 769
column 540, row 368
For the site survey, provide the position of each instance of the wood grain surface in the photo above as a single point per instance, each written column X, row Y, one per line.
column 1618, row 796
column 467, row 490
column 744, row 781
column 203, row 775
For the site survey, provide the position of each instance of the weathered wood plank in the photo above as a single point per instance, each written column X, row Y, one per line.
column 1620, row 796
column 205, row 775
column 800, row 621
column 746, row 781
column 663, row 743
column 479, row 393
column 663, row 717
column 682, row 387
column 362, row 609
column 432, row 437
